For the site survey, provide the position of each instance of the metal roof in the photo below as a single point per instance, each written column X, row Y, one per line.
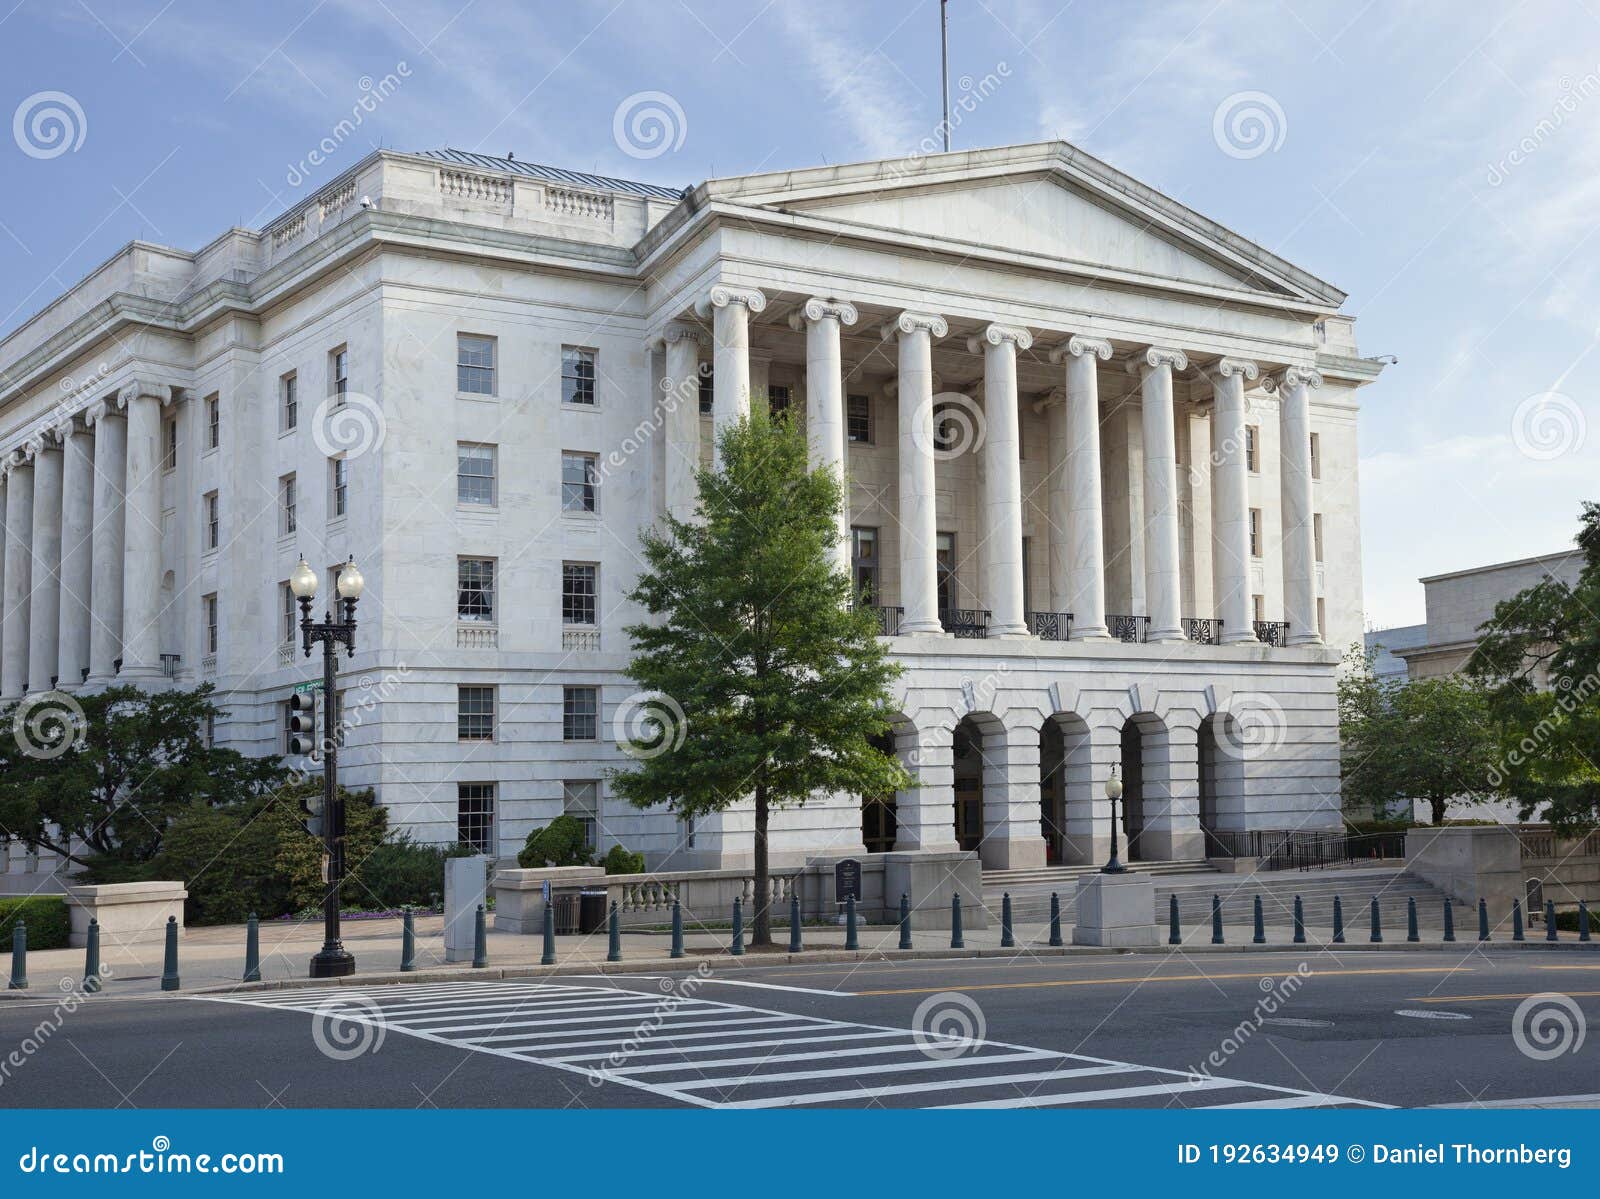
column 515, row 166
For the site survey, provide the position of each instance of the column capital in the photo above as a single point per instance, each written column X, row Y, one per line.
column 816, row 309
column 134, row 389
column 1077, row 346
column 1227, row 368
column 723, row 294
column 998, row 335
column 910, row 322
column 1154, row 357
column 111, row 405
column 677, row 331
column 1292, row 377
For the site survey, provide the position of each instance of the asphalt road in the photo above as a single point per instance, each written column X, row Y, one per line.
column 1126, row 1030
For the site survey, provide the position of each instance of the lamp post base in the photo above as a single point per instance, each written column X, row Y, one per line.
column 333, row 963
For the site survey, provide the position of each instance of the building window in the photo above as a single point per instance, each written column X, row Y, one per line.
column 213, row 517
column 339, row 374
column 1255, row 532
column 708, row 390
column 581, row 801
column 1316, row 456
column 211, row 730
column 579, row 481
column 578, row 591
column 1316, row 534
column 288, row 402
column 291, row 617
column 475, row 713
column 475, row 816
column 1258, row 606
column 475, row 474
column 475, row 590
column 950, row 430
column 778, row 399
column 580, row 713
column 1252, row 449
column 288, row 504
column 864, row 563
column 858, row 419
column 208, row 609
column 1322, row 618
column 339, row 487
column 475, row 364
column 169, row 444
column 945, row 567
column 577, row 375
column 213, row 421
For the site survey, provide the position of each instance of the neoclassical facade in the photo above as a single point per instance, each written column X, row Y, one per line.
column 1101, row 455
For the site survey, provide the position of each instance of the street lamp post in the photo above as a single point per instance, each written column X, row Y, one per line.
column 333, row 960
column 1113, row 793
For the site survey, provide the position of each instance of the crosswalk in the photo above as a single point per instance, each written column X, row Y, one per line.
column 674, row 1044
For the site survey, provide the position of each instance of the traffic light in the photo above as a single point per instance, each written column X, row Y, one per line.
column 302, row 724
column 311, row 814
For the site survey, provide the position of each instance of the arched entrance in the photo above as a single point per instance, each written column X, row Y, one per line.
column 1066, row 800
column 1146, row 778
column 1052, row 792
column 1221, row 785
column 878, row 812
column 967, row 745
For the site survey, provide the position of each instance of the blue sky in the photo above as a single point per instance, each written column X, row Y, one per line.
column 1439, row 162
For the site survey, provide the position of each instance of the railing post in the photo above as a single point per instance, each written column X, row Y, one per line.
column 1055, row 919
column 1550, row 920
column 851, row 941
column 1338, row 921
column 905, row 921
column 19, row 957
column 955, row 922
column 91, row 958
column 1483, row 920
column 1007, row 940
column 1216, row 919
column 1583, row 920
column 737, row 949
column 1411, row 919
column 614, row 935
column 169, row 967
column 480, row 939
column 677, row 928
column 1516, row 920
column 795, row 945
column 1260, row 937
column 1377, row 923
column 252, row 950
column 408, row 942
column 1174, row 935
column 548, row 958
column 1299, row 922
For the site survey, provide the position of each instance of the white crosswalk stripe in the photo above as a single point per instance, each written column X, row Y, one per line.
column 712, row 1054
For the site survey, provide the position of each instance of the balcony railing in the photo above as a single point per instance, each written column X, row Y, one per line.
column 475, row 636
column 970, row 623
column 1202, row 629
column 1272, row 632
column 1050, row 626
column 1127, row 628
column 578, row 637
column 888, row 619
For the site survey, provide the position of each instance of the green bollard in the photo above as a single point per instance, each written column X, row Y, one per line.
column 795, row 945
column 738, row 930
column 1260, row 937
column 1550, row 920
column 480, row 940
column 169, row 968
column 614, row 932
column 1583, row 920
column 955, row 922
column 1483, row 920
column 851, row 941
column 1055, row 920
column 1338, row 921
column 1516, row 920
column 1216, row 919
column 905, row 921
column 1299, row 922
column 1007, row 940
column 19, row 958
column 677, row 929
column 252, row 950
column 91, row 959
column 549, row 956
column 408, row 942
column 1377, row 923
column 1411, row 919
column 1174, row 935
column 1449, row 921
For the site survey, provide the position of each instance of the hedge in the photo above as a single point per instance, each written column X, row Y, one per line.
column 46, row 917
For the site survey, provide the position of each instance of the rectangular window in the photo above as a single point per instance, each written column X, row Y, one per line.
column 208, row 608
column 213, row 520
column 291, row 617
column 577, row 375
column 1258, row 605
column 339, row 374
column 1316, row 456
column 213, row 421
column 475, row 590
column 578, row 591
column 945, row 567
column 475, row 816
column 475, row 713
column 1252, row 449
column 475, row 474
column 211, row 730
column 708, row 390
column 580, row 713
column 1316, row 534
column 1255, row 532
column 169, row 444
column 475, row 364
column 581, row 801
column 288, row 402
column 778, row 399
column 858, row 419
column 338, row 487
column 288, row 505
column 864, row 562
column 579, row 482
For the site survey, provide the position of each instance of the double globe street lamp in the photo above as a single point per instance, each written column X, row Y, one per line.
column 333, row 960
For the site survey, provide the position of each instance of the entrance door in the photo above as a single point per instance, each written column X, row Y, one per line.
column 969, row 789
column 1132, row 789
column 1052, row 808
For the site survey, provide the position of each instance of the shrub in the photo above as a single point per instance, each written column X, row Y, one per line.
column 225, row 858
column 45, row 916
column 559, row 843
column 403, row 871
column 623, row 861
column 1568, row 919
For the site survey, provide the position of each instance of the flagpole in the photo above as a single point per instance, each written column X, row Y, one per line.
column 944, row 68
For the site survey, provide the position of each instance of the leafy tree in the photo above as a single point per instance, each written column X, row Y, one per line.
column 1539, row 657
column 107, row 787
column 768, row 684
column 1429, row 739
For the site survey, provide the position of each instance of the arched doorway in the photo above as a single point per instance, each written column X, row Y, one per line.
column 1221, row 785
column 967, row 746
column 1052, row 792
column 878, row 812
column 1146, row 779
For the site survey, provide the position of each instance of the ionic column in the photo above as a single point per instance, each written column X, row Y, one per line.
column 77, row 524
column 1002, row 476
column 1294, row 473
column 919, row 533
column 1230, row 500
column 19, row 578
column 681, row 383
column 44, row 607
column 825, row 432
column 1162, row 586
column 730, row 309
column 1079, row 584
column 106, row 544
column 141, row 548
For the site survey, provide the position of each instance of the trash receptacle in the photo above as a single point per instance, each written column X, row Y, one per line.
column 591, row 911
column 566, row 906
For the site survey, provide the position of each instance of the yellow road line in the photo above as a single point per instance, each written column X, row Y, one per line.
column 1159, row 978
column 1567, row 967
column 1480, row 998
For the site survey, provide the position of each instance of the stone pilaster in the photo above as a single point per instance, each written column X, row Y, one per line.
column 681, row 400
column 1230, row 500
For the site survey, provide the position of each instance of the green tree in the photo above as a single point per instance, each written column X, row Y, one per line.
column 1539, row 657
column 1429, row 739
column 765, row 681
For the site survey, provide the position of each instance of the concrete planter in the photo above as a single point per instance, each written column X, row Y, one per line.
column 129, row 913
